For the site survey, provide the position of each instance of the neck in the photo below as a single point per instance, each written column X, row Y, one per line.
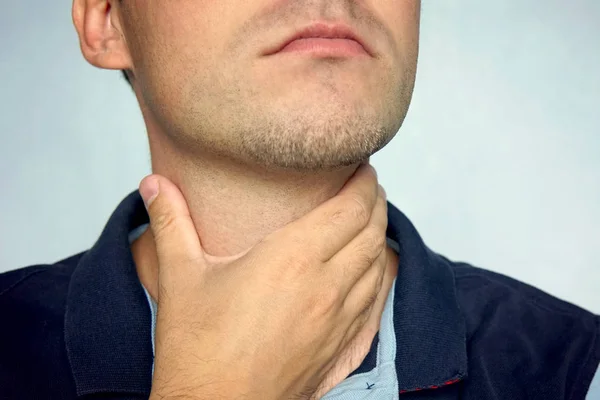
column 233, row 206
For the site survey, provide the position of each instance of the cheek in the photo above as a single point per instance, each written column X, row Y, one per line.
column 171, row 46
column 192, row 39
column 402, row 18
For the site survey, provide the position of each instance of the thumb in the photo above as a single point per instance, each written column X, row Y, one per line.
column 177, row 244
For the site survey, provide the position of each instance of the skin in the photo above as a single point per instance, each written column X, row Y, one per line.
column 252, row 141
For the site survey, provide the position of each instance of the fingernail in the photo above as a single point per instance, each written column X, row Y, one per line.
column 149, row 190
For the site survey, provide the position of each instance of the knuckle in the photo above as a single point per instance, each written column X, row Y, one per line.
column 302, row 264
column 366, row 258
column 328, row 299
column 357, row 209
column 338, row 216
column 325, row 303
column 369, row 303
column 162, row 225
column 363, row 314
column 374, row 242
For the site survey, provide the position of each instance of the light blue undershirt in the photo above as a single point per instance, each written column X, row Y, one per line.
column 594, row 390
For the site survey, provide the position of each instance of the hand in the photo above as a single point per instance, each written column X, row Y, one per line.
column 269, row 324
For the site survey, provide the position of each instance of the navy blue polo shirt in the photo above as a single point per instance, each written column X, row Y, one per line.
column 82, row 328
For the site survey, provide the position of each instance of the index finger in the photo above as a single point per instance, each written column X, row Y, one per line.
column 332, row 225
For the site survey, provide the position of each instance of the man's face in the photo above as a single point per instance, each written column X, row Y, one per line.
column 200, row 68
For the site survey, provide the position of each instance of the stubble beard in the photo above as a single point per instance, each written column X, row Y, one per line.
column 306, row 144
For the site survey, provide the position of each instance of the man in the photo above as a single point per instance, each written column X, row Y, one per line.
column 253, row 263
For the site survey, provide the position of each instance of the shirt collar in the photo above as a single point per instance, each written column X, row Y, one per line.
column 430, row 329
column 108, row 321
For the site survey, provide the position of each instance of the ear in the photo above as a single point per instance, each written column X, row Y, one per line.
column 100, row 33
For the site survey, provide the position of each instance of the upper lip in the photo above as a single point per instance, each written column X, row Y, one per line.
column 323, row 30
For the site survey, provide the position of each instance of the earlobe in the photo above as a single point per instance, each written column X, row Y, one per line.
column 102, row 43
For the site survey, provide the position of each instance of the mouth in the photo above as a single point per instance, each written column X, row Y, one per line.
column 322, row 39
column 325, row 47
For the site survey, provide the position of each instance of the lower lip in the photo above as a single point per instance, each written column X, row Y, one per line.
column 324, row 47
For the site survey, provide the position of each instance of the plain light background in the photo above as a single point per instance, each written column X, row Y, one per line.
column 497, row 164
